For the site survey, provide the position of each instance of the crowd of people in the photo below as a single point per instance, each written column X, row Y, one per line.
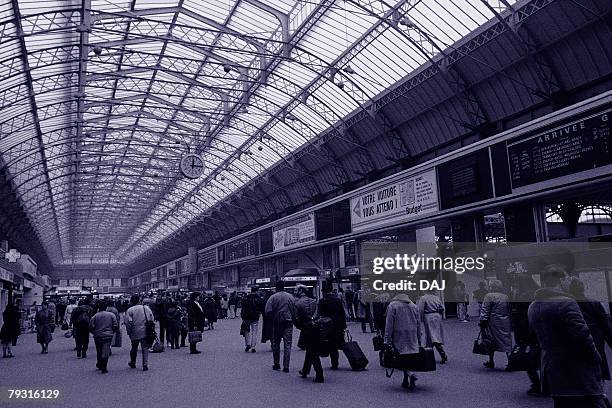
column 557, row 328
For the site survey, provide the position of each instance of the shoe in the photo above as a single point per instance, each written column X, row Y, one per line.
column 318, row 380
column 78, row 355
column 534, row 392
column 302, row 374
column 5, row 356
column 196, row 352
column 276, row 367
column 104, row 371
column 145, row 368
column 413, row 379
column 98, row 366
column 84, row 355
column 285, row 370
column 488, row 364
column 132, row 365
column 247, row 348
column 444, row 360
column 253, row 351
column 10, row 356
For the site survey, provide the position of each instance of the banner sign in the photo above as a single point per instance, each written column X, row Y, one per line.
column 294, row 233
column 395, row 202
column 6, row 275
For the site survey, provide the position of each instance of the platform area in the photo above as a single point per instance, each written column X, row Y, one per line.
column 224, row 375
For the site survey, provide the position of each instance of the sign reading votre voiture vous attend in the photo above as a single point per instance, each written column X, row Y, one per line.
column 395, row 201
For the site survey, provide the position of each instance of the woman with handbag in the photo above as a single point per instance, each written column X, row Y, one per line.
column 195, row 319
column 403, row 334
column 431, row 310
column 495, row 317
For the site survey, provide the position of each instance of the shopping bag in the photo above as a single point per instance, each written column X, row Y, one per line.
column 194, row 336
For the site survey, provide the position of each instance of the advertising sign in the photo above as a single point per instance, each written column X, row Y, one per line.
column 116, row 283
column 294, row 233
column 90, row 283
column 395, row 201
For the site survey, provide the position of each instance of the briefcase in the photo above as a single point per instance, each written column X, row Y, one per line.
column 194, row 336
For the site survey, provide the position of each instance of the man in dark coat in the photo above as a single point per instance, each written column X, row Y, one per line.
column 195, row 318
column 306, row 308
column 570, row 361
column 595, row 317
column 80, row 322
column 252, row 308
column 330, row 306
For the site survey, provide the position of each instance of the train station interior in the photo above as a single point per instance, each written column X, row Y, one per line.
column 164, row 148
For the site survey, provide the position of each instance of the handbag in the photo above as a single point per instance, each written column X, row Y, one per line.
column 195, row 336
column 158, row 347
column 117, row 339
column 68, row 333
column 65, row 326
column 149, row 328
column 483, row 344
column 522, row 359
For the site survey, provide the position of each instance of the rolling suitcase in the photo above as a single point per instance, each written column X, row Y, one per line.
column 354, row 355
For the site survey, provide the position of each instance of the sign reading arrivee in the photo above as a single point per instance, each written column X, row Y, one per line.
column 396, row 201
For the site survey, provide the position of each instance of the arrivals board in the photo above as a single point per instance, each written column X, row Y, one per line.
column 294, row 233
column 207, row 258
column 566, row 149
column 241, row 248
column 396, row 201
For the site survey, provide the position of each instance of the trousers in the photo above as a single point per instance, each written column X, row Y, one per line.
column 286, row 335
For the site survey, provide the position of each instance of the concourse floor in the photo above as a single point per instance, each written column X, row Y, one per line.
column 225, row 376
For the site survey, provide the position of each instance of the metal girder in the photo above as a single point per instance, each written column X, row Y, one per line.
column 548, row 82
column 34, row 113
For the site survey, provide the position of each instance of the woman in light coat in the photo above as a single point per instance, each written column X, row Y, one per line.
column 403, row 332
column 495, row 316
column 431, row 310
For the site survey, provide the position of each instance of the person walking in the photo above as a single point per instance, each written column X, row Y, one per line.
column 306, row 308
column 364, row 312
column 116, row 340
column 281, row 311
column 10, row 329
column 103, row 325
column 136, row 319
column 570, row 363
column 232, row 304
column 379, row 311
column 183, row 326
column 224, row 306
column 44, row 327
column 522, row 293
column 211, row 310
column 595, row 317
column 403, row 333
column 461, row 298
column 480, row 293
column 495, row 317
column 68, row 313
column 80, row 322
column 195, row 318
column 431, row 310
column 349, row 295
column 252, row 307
column 173, row 321
column 330, row 306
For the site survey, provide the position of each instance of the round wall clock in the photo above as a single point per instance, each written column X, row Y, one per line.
column 192, row 165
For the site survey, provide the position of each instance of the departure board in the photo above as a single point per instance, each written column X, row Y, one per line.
column 207, row 258
column 241, row 248
column 565, row 149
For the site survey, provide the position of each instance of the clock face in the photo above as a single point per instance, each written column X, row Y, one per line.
column 192, row 166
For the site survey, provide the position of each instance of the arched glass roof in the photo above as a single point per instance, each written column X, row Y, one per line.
column 100, row 99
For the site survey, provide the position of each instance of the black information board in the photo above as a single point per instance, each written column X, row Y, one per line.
column 465, row 180
column 242, row 248
column 207, row 259
column 565, row 149
column 333, row 220
column 265, row 239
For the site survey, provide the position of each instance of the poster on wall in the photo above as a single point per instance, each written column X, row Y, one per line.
column 75, row 282
column 116, row 283
column 294, row 233
column 207, row 258
column 90, row 283
column 104, row 282
column 395, row 201
column 63, row 282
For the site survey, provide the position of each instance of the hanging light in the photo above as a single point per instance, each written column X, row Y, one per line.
column 340, row 84
column 243, row 109
column 227, row 68
column 349, row 70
